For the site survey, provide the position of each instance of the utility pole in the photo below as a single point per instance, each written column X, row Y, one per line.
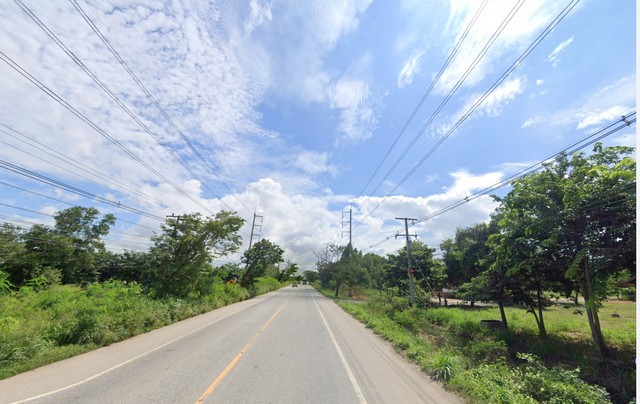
column 410, row 268
column 347, row 221
column 253, row 226
column 175, row 224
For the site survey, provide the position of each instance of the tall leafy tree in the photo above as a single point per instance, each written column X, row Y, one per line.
column 572, row 224
column 429, row 272
column 258, row 258
column 349, row 271
column 326, row 265
column 183, row 252
column 84, row 229
column 465, row 254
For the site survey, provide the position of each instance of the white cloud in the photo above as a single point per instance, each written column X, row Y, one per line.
column 628, row 140
column 492, row 106
column 529, row 20
column 604, row 104
column 381, row 223
column 539, row 82
column 357, row 117
column 409, row 70
column 555, row 55
column 314, row 163
column 596, row 117
column 258, row 15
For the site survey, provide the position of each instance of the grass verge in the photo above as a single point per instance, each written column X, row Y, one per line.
column 494, row 366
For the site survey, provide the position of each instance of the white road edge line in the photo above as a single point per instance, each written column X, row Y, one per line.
column 130, row 360
column 352, row 379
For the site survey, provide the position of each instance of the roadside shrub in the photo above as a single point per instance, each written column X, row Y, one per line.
column 265, row 284
column 443, row 365
column 487, row 350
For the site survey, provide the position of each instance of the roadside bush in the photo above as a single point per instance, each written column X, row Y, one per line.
column 443, row 365
column 265, row 284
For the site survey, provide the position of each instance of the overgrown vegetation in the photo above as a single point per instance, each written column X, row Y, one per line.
column 567, row 231
column 500, row 366
column 63, row 293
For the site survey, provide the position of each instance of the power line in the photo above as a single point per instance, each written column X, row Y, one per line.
column 472, row 109
column 426, row 94
column 67, row 203
column 59, row 184
column 453, row 90
column 114, row 97
column 126, row 67
column 594, row 137
column 79, row 166
column 15, row 66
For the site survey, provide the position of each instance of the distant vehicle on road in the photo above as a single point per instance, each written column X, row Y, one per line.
column 294, row 285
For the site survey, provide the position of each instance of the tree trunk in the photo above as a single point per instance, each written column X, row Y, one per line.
column 592, row 314
column 338, row 287
column 503, row 316
column 541, row 327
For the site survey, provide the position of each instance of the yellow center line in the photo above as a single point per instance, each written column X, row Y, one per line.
column 235, row 360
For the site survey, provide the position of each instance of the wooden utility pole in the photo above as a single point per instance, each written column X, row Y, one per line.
column 410, row 268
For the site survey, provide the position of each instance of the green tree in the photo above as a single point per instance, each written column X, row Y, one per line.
column 258, row 258
column 83, row 228
column 326, row 266
column 428, row 271
column 182, row 254
column 571, row 224
column 375, row 266
column 289, row 270
column 464, row 256
column 311, row 276
column 349, row 270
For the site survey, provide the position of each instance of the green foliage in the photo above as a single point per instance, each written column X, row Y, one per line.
column 5, row 284
column 258, row 258
column 443, row 365
column 39, row 325
column 311, row 276
column 429, row 272
column 450, row 345
column 265, row 284
column 181, row 255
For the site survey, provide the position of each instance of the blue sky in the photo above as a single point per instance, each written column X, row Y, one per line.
column 288, row 108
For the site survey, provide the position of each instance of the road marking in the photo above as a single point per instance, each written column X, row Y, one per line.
column 132, row 359
column 235, row 360
column 352, row 378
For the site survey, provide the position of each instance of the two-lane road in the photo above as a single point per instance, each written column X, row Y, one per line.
column 289, row 346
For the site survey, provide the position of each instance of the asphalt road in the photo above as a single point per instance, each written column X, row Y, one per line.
column 289, row 346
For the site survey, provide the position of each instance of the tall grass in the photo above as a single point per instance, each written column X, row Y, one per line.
column 41, row 326
column 516, row 366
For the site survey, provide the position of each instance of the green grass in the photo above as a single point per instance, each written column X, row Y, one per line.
column 487, row 365
column 41, row 327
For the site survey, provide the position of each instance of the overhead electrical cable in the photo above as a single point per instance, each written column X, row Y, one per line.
column 426, row 94
column 67, row 203
column 114, row 97
column 70, row 188
column 480, row 100
column 135, row 78
column 94, row 126
column 79, row 166
column 594, row 137
column 453, row 90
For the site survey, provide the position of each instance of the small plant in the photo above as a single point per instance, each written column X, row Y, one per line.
column 443, row 365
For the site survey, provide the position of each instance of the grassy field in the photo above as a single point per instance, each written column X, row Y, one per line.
column 491, row 365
